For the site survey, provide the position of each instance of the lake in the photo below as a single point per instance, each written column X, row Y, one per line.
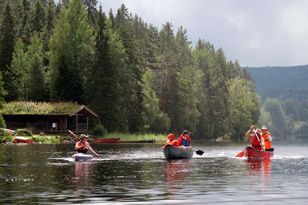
column 139, row 174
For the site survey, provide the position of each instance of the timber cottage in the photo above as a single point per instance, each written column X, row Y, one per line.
column 47, row 117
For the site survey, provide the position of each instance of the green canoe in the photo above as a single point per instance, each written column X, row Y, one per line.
column 172, row 152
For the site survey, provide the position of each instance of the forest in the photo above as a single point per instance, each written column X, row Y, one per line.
column 283, row 95
column 139, row 78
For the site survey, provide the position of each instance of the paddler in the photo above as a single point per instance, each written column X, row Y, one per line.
column 184, row 140
column 266, row 135
column 83, row 146
column 170, row 140
column 255, row 138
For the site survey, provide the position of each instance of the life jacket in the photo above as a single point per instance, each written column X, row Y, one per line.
column 81, row 147
column 267, row 140
column 185, row 142
column 255, row 143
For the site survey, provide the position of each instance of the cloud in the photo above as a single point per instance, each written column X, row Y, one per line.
column 255, row 32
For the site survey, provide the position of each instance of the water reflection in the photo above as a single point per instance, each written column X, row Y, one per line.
column 82, row 173
column 262, row 169
column 177, row 172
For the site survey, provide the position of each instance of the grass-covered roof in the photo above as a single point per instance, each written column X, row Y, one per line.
column 39, row 108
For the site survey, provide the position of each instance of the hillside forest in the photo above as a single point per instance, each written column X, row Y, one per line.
column 139, row 78
column 283, row 95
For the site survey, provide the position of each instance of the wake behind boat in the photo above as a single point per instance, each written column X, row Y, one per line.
column 173, row 152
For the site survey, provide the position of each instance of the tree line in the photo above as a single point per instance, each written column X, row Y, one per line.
column 137, row 77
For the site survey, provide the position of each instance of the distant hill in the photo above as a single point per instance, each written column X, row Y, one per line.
column 281, row 82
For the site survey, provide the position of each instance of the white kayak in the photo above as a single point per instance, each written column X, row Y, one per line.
column 82, row 157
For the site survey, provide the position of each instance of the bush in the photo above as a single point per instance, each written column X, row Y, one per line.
column 23, row 132
column 2, row 122
column 99, row 130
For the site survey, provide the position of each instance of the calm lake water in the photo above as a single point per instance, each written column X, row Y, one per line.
column 139, row 174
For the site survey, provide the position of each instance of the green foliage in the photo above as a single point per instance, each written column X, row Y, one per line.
column 189, row 81
column 45, row 139
column 23, row 132
column 244, row 107
column 36, row 69
column 7, row 42
column 2, row 91
column 137, row 136
column 154, row 120
column 103, row 80
column 37, row 17
column 280, row 124
column 71, row 51
column 99, row 130
column 19, row 67
column 2, row 122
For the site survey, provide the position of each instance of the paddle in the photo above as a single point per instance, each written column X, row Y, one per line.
column 199, row 152
column 75, row 138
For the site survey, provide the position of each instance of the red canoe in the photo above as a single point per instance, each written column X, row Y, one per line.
column 252, row 153
column 23, row 140
column 106, row 140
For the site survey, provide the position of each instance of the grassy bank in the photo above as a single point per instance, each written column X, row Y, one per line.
column 125, row 137
column 137, row 137
column 47, row 139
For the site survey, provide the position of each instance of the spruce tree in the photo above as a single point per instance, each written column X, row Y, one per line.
column 37, row 17
column 7, row 36
column 92, row 11
column 71, row 52
column 103, row 82
column 133, row 73
column 36, row 69
column 19, row 67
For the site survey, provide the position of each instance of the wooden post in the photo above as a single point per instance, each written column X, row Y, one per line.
column 77, row 124
column 87, row 123
column 65, row 125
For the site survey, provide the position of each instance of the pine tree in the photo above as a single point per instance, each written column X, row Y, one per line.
column 49, row 23
column 103, row 81
column 166, row 80
column 189, row 88
column 154, row 120
column 25, row 26
column 92, row 11
column 71, row 52
column 111, row 18
column 37, row 17
column 36, row 69
column 133, row 73
column 19, row 67
column 7, row 36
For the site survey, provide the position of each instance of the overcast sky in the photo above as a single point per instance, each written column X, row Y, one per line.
column 255, row 32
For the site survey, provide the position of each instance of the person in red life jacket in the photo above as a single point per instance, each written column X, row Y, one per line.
column 184, row 140
column 255, row 138
column 83, row 146
column 266, row 135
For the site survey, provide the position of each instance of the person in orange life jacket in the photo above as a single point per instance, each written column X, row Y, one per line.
column 255, row 138
column 170, row 140
column 266, row 135
column 184, row 140
column 83, row 146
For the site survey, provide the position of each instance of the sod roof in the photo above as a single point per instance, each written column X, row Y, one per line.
column 40, row 108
